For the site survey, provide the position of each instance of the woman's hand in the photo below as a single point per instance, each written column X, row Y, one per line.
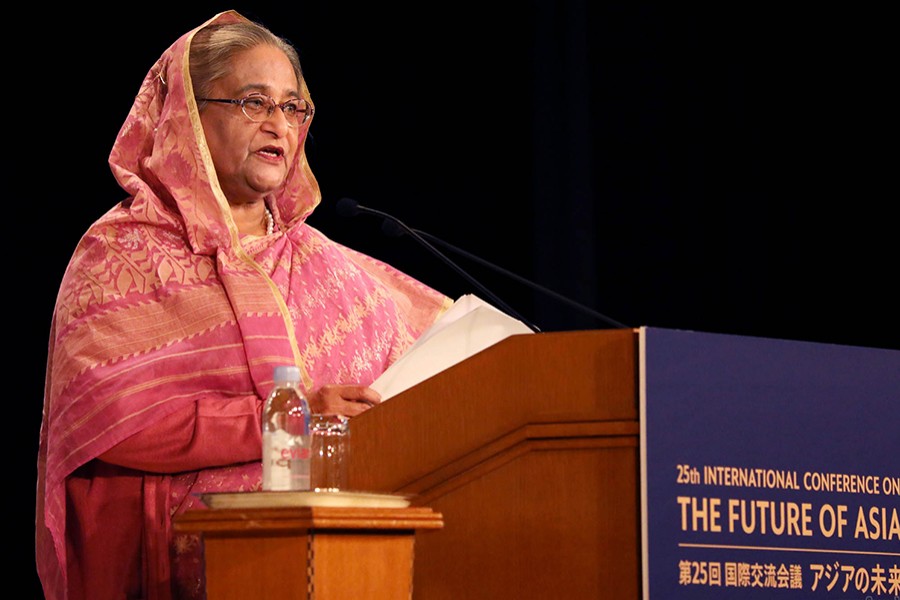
column 347, row 400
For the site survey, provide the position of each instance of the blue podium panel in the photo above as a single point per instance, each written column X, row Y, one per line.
column 770, row 469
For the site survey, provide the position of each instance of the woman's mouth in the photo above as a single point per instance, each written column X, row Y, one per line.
column 271, row 152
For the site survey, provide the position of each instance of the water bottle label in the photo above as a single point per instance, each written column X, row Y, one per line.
column 285, row 461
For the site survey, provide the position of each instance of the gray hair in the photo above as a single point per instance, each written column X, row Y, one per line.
column 213, row 47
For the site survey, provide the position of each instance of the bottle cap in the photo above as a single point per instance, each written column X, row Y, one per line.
column 287, row 374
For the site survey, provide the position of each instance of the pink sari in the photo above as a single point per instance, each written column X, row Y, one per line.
column 165, row 334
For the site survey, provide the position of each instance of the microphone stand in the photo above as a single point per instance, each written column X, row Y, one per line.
column 522, row 280
column 346, row 207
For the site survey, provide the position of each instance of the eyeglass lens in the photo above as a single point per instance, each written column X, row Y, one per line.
column 258, row 107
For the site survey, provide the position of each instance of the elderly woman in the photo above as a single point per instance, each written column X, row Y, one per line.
column 179, row 302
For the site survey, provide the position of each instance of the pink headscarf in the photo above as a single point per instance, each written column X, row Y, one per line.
column 163, row 303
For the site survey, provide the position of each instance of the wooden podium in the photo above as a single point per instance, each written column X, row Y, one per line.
column 530, row 451
column 308, row 553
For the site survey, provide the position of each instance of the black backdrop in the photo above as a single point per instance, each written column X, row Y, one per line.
column 714, row 169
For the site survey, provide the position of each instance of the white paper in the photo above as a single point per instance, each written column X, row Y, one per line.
column 468, row 327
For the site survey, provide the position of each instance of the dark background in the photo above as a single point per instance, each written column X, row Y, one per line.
column 712, row 169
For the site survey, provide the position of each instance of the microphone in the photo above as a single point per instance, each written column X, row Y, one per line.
column 393, row 227
column 535, row 286
column 347, row 207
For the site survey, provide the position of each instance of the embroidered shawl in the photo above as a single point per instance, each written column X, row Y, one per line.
column 163, row 304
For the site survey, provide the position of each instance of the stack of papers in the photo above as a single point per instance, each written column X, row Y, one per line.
column 468, row 327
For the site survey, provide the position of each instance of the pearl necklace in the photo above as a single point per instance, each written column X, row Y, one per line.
column 270, row 222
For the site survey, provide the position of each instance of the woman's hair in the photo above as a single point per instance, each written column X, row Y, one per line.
column 213, row 47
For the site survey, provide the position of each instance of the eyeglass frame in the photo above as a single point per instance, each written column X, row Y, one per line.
column 307, row 113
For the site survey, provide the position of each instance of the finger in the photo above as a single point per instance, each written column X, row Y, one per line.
column 368, row 396
column 359, row 393
column 337, row 405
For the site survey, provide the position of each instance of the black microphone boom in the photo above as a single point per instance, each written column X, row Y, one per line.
column 520, row 279
column 391, row 229
column 348, row 207
column 394, row 227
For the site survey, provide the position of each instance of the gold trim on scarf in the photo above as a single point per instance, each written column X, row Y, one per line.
column 222, row 201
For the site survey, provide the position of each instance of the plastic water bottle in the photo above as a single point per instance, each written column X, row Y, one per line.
column 285, row 434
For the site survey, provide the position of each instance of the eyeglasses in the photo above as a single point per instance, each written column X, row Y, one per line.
column 259, row 107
